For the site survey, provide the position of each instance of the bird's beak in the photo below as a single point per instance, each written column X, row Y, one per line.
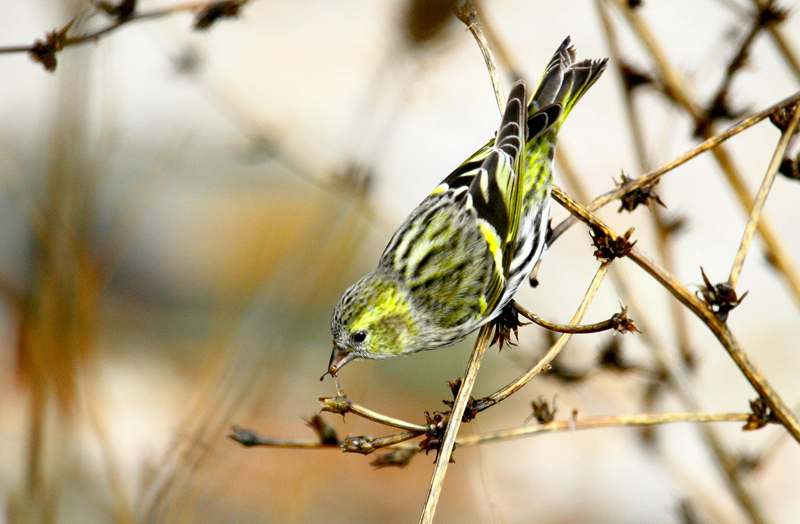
column 339, row 357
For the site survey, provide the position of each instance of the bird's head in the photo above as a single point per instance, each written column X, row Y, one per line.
column 374, row 319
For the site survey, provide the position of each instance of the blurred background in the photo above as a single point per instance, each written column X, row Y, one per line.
column 180, row 211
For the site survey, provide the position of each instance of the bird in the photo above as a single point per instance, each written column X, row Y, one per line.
column 460, row 256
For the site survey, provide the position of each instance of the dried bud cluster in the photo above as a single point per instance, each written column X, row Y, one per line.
column 721, row 298
column 609, row 248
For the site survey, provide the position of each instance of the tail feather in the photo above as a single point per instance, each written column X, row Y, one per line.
column 564, row 82
column 553, row 77
column 511, row 133
column 578, row 79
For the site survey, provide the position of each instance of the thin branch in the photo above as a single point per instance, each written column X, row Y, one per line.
column 55, row 41
column 665, row 244
column 759, row 382
column 650, row 177
column 761, row 197
column 576, row 423
column 544, row 362
column 340, row 404
column 366, row 444
column 783, row 46
column 457, row 413
column 618, row 321
column 467, row 14
column 249, row 438
column 501, row 50
column 678, row 92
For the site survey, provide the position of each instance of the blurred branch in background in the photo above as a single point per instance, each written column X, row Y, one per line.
column 46, row 51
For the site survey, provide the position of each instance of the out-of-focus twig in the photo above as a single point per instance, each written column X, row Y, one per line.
column 789, row 55
column 45, row 51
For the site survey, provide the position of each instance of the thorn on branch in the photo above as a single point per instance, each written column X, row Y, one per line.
column 761, row 415
column 609, row 248
column 325, row 432
column 506, row 324
column 720, row 298
column 210, row 14
column 471, row 410
column 399, row 458
column 45, row 51
column 621, row 323
column 433, row 439
column 643, row 195
column 543, row 411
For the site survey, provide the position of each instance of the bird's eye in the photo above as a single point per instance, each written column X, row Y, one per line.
column 359, row 336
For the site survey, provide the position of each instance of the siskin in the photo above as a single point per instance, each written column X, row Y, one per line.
column 460, row 256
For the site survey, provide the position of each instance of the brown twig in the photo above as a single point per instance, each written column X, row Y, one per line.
column 761, row 197
column 341, row 405
column 648, row 178
column 687, row 298
column 552, row 353
column 249, row 438
column 576, row 423
column 619, row 322
column 678, row 92
column 454, row 422
column 45, row 51
column 783, row 46
column 719, row 107
column 469, row 16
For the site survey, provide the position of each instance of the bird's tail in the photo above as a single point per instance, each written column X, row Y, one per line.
column 564, row 83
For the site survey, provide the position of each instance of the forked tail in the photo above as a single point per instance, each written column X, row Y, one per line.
column 564, row 83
